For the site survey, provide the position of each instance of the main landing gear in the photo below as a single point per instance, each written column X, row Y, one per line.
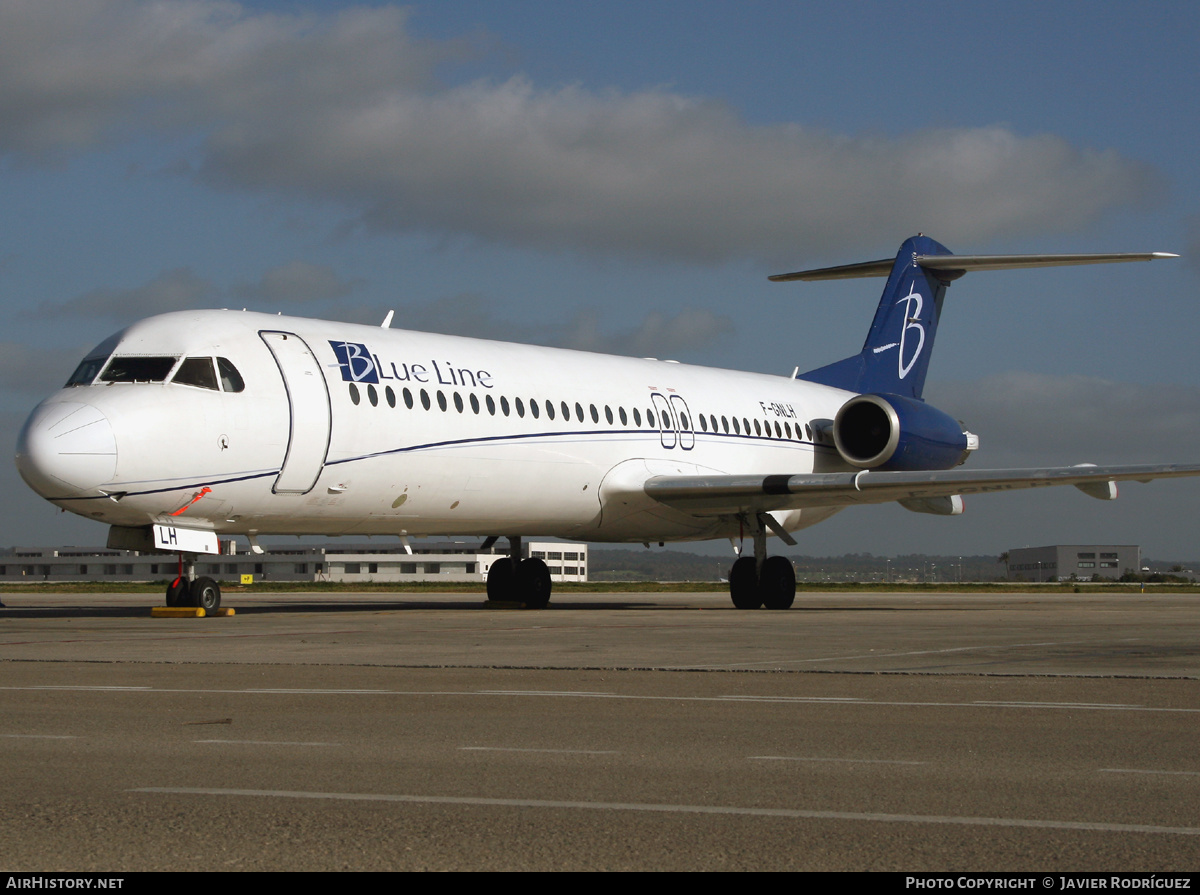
column 188, row 590
column 515, row 580
column 762, row 580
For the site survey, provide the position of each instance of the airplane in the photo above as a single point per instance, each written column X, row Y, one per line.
column 192, row 425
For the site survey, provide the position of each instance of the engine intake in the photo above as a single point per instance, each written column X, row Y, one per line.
column 891, row 432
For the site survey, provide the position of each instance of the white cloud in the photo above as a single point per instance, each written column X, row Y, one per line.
column 74, row 71
column 658, row 174
column 344, row 107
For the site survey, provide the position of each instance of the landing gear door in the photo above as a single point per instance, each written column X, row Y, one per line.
column 308, row 400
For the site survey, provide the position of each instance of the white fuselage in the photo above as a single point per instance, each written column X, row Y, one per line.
column 322, row 439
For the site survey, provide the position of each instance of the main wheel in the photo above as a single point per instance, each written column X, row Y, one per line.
column 533, row 583
column 777, row 586
column 743, row 584
column 500, row 585
column 179, row 592
column 206, row 594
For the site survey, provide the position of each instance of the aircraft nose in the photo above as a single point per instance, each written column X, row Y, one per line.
column 65, row 448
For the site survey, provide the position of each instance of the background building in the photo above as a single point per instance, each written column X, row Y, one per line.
column 347, row 564
column 1083, row 561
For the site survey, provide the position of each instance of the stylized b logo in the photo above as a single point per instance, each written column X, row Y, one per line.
column 912, row 320
column 356, row 361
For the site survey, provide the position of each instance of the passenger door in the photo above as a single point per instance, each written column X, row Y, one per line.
column 310, row 415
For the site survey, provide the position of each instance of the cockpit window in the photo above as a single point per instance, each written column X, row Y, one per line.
column 93, row 361
column 197, row 371
column 86, row 371
column 231, row 379
column 137, row 369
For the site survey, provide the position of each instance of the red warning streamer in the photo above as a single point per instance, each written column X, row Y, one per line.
column 195, row 497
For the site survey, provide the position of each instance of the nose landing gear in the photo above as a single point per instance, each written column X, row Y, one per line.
column 188, row 590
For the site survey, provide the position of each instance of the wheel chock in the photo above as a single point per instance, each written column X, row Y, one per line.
column 176, row 612
column 189, row 612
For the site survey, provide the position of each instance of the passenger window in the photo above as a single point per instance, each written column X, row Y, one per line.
column 725, row 424
column 442, row 400
column 391, row 396
column 637, row 417
column 534, row 409
column 566, row 411
column 354, row 398
column 231, row 379
column 579, row 411
column 504, row 405
column 474, row 403
column 425, row 399
column 608, row 414
column 137, row 369
column 458, row 402
column 373, row 395
column 737, row 430
column 491, row 405
column 408, row 399
column 624, row 416
column 520, row 407
column 703, row 423
column 595, row 413
column 549, row 409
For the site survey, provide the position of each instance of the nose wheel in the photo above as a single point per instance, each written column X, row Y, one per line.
column 206, row 594
column 178, row 592
column 188, row 590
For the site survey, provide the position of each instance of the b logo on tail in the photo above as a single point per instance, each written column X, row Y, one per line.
column 912, row 320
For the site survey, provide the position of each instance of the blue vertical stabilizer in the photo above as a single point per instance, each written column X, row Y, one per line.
column 895, row 358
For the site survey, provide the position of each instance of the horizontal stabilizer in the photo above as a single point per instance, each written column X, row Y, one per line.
column 880, row 268
column 964, row 263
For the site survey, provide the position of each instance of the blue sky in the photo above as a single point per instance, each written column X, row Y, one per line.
column 622, row 177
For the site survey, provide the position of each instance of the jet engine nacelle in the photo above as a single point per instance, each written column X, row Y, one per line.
column 891, row 432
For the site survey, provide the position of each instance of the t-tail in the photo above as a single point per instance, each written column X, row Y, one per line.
column 895, row 357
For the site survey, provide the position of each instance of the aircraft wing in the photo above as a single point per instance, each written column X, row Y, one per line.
column 709, row 495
